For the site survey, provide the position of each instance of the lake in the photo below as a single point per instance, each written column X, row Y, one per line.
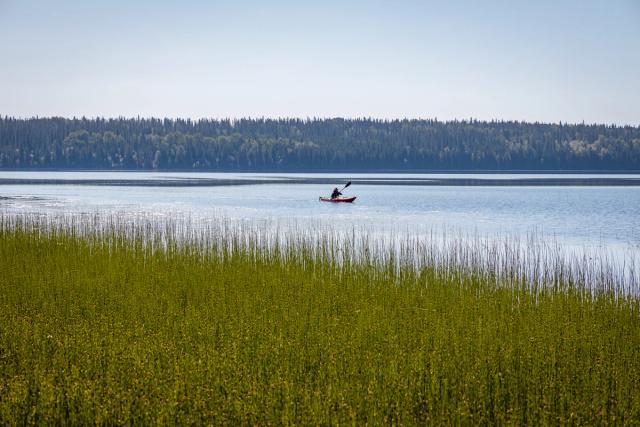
column 602, row 217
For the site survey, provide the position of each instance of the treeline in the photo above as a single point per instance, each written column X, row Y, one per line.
column 314, row 144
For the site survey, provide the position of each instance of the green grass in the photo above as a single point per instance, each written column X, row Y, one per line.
column 117, row 324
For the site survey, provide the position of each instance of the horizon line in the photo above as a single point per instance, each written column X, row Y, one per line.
column 321, row 118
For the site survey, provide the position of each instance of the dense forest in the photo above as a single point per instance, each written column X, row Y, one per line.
column 313, row 144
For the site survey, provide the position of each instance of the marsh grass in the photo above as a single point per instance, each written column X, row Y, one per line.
column 116, row 322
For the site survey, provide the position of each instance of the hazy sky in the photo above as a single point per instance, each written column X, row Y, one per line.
column 550, row 61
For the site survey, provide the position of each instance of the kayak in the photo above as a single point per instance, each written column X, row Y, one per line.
column 337, row 199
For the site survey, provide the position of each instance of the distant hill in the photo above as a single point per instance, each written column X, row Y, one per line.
column 314, row 145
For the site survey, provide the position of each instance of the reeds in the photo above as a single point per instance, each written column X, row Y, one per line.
column 108, row 321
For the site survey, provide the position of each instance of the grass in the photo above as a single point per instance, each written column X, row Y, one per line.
column 114, row 323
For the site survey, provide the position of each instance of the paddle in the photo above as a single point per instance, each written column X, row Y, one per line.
column 348, row 184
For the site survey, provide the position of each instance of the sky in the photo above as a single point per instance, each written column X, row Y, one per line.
column 548, row 61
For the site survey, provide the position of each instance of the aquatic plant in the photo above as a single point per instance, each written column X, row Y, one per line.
column 114, row 322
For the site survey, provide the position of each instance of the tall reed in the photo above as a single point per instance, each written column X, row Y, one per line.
column 110, row 321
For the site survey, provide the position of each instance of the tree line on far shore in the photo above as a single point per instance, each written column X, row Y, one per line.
column 313, row 145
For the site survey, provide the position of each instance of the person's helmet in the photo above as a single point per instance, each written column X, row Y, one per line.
column 335, row 189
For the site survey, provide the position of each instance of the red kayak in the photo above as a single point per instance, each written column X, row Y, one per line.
column 338, row 199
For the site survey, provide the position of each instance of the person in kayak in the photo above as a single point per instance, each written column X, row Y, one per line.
column 336, row 193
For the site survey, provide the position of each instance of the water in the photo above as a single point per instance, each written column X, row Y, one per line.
column 576, row 217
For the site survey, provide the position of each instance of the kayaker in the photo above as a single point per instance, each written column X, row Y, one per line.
column 336, row 193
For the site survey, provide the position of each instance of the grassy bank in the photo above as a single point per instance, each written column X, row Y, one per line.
column 127, row 324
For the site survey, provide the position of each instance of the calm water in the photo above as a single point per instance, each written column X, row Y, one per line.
column 603, row 217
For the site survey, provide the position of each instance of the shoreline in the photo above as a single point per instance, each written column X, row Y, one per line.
column 217, row 182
